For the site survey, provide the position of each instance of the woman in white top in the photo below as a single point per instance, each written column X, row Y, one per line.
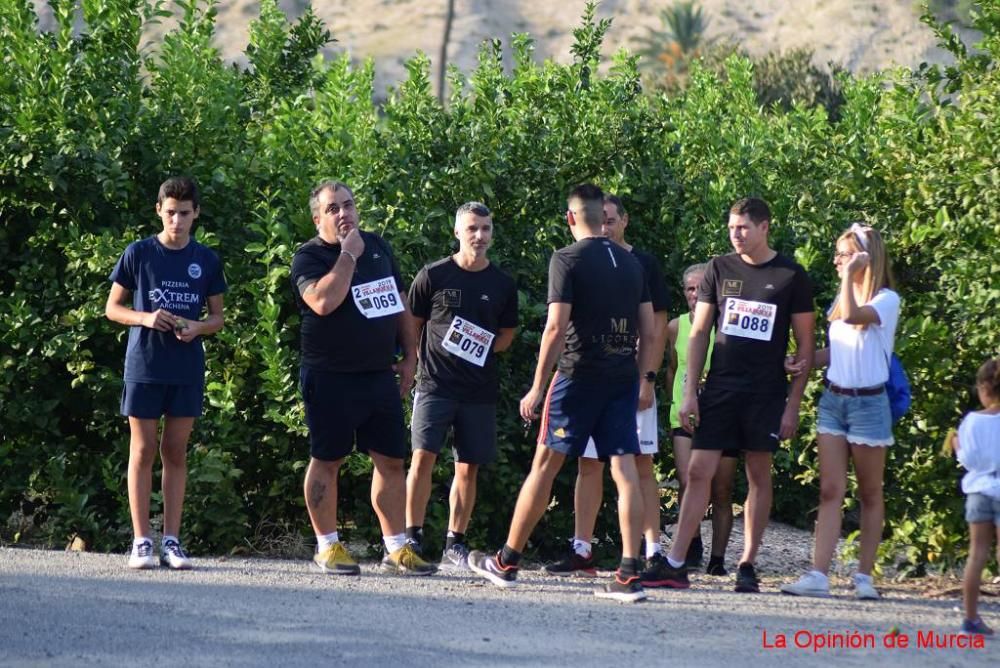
column 853, row 418
column 978, row 450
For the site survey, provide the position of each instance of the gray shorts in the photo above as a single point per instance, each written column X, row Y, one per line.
column 981, row 508
column 475, row 426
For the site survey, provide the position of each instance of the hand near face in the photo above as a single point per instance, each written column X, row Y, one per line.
column 857, row 263
column 353, row 243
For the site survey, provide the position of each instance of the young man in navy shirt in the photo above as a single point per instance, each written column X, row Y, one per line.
column 160, row 287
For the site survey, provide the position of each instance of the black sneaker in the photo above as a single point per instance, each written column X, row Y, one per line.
column 659, row 573
column 416, row 546
column 717, row 566
column 573, row 564
column 488, row 566
column 695, row 552
column 746, row 579
column 625, row 589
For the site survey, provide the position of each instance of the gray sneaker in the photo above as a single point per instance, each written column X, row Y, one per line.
column 455, row 558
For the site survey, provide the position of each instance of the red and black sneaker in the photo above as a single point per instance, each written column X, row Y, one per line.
column 627, row 589
column 573, row 564
column 659, row 573
column 489, row 566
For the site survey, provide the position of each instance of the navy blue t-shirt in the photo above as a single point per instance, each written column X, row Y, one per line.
column 178, row 281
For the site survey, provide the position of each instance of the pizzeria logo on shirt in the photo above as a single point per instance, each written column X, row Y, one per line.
column 732, row 287
column 194, row 270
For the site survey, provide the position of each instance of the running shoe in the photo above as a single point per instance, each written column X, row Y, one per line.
column 625, row 589
column 976, row 627
column 455, row 558
column 746, row 579
column 717, row 566
column 812, row 583
column 864, row 589
column 406, row 561
column 335, row 560
column 573, row 564
column 141, row 556
column 172, row 556
column 489, row 567
column 659, row 573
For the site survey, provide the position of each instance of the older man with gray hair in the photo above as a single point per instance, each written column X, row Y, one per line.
column 464, row 312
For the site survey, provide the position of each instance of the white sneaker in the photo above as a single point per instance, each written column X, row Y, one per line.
column 812, row 583
column 173, row 557
column 864, row 589
column 141, row 556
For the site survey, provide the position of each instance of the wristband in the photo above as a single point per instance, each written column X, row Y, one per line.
column 350, row 255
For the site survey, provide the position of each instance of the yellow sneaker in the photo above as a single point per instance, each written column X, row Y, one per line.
column 336, row 561
column 406, row 560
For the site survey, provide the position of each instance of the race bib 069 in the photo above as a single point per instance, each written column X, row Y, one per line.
column 377, row 299
column 749, row 319
column 468, row 340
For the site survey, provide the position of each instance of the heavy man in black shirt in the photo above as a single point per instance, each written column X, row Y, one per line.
column 599, row 306
column 349, row 292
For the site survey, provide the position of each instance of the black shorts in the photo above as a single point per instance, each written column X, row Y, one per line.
column 731, row 420
column 684, row 433
column 475, row 427
column 342, row 408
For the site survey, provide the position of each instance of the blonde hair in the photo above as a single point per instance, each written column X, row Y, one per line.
column 878, row 274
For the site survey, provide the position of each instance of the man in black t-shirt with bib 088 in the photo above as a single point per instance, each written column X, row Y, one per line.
column 349, row 291
column 751, row 297
column 599, row 306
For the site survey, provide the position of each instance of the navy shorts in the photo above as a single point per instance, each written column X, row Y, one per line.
column 475, row 427
column 576, row 411
column 730, row 420
column 150, row 401
column 347, row 408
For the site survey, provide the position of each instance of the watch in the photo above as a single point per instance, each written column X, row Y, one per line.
column 650, row 376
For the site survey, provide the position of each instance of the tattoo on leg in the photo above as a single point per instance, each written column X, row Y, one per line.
column 317, row 491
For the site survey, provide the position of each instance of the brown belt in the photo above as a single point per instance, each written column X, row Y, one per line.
column 854, row 392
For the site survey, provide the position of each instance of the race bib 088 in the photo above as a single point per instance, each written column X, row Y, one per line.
column 749, row 319
column 468, row 340
column 377, row 299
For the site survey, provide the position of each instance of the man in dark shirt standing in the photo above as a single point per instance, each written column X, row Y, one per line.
column 751, row 297
column 349, row 292
column 465, row 311
column 599, row 306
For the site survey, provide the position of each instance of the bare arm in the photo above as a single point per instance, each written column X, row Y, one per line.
column 652, row 341
column 327, row 293
column 407, row 367
column 553, row 340
column 117, row 310
column 189, row 330
column 701, row 330
column 673, row 327
column 803, row 328
column 854, row 314
column 504, row 339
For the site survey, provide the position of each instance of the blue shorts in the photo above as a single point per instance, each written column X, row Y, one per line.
column 863, row 420
column 150, row 401
column 576, row 411
column 981, row 508
column 342, row 408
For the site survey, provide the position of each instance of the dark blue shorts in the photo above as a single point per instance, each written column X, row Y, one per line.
column 347, row 408
column 150, row 401
column 576, row 411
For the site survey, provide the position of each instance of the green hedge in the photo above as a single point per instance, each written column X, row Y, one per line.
column 90, row 125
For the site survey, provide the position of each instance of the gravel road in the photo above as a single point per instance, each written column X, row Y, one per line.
column 60, row 608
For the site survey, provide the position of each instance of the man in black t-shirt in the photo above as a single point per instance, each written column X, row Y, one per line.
column 751, row 297
column 598, row 308
column 589, row 491
column 465, row 311
column 349, row 292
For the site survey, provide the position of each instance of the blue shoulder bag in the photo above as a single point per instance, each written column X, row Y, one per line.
column 898, row 389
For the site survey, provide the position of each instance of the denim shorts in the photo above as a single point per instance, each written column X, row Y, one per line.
column 863, row 420
column 982, row 508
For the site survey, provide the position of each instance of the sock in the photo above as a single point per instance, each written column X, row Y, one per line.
column 674, row 563
column 416, row 534
column 452, row 538
column 628, row 567
column 509, row 557
column 164, row 540
column 713, row 559
column 581, row 547
column 393, row 543
column 324, row 541
column 139, row 540
column 653, row 548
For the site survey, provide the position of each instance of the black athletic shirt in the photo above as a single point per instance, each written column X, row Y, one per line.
column 658, row 292
column 345, row 340
column 605, row 284
column 442, row 292
column 754, row 306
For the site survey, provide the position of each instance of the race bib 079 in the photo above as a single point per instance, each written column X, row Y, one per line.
column 468, row 340
column 377, row 299
column 749, row 319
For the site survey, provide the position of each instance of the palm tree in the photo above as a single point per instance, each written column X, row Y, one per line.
column 681, row 38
